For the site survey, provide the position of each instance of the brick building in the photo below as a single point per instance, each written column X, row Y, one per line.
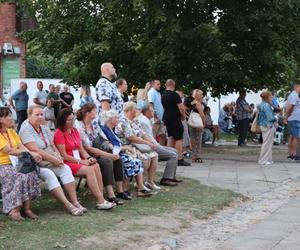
column 12, row 59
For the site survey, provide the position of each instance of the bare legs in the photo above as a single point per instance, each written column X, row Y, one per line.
column 94, row 180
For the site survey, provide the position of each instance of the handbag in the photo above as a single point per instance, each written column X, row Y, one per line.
column 26, row 164
column 48, row 164
column 255, row 127
column 102, row 144
column 195, row 121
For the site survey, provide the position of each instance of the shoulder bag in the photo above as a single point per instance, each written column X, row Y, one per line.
column 255, row 127
column 195, row 121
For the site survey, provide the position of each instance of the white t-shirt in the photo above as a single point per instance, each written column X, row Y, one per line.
column 49, row 114
column 294, row 100
column 41, row 96
column 146, row 126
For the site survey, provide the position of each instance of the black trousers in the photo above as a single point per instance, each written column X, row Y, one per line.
column 243, row 127
column 21, row 117
column 111, row 170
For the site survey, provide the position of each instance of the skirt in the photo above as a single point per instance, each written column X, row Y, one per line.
column 131, row 166
column 17, row 187
column 196, row 141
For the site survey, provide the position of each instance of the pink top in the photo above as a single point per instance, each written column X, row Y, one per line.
column 72, row 142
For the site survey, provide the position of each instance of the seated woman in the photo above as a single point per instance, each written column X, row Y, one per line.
column 225, row 119
column 132, row 166
column 68, row 142
column 18, row 189
column 38, row 138
column 130, row 132
column 110, row 165
column 209, row 125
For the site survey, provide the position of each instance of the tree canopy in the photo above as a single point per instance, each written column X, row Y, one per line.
column 215, row 45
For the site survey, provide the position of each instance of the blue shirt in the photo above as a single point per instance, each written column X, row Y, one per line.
column 21, row 100
column 155, row 98
column 266, row 116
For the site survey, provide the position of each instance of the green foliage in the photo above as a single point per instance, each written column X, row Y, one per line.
column 41, row 66
column 211, row 44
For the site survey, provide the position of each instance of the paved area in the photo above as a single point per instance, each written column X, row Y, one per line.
column 269, row 220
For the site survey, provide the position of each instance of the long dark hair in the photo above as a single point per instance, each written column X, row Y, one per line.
column 62, row 118
column 81, row 113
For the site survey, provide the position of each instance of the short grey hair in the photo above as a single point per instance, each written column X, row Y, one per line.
column 129, row 106
column 106, row 116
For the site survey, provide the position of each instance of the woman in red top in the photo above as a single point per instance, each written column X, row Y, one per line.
column 68, row 142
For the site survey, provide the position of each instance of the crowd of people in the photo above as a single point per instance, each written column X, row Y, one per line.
column 113, row 139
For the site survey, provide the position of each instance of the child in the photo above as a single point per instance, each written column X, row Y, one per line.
column 49, row 115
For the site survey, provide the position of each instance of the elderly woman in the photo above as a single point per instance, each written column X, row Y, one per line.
column 266, row 120
column 37, row 138
column 225, row 118
column 110, row 164
column 130, row 132
column 196, row 133
column 132, row 166
column 18, row 189
column 68, row 142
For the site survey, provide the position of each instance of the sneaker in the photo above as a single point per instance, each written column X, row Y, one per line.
column 153, row 187
column 147, row 189
column 182, row 162
column 116, row 200
column 124, row 196
column 106, row 205
column 269, row 163
column 296, row 158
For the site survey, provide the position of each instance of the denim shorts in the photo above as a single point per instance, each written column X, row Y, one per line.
column 294, row 128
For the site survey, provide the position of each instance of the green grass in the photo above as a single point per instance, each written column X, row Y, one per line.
column 228, row 137
column 57, row 229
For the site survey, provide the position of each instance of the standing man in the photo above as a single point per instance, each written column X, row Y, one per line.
column 243, row 115
column 174, row 112
column 107, row 94
column 40, row 97
column 122, row 87
column 292, row 117
column 164, row 153
column 154, row 98
column 66, row 98
column 21, row 103
column 53, row 96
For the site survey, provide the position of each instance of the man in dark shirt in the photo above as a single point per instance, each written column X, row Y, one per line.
column 53, row 96
column 243, row 113
column 122, row 87
column 174, row 112
column 67, row 98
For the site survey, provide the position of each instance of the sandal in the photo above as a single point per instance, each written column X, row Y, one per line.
column 15, row 215
column 79, row 206
column 29, row 214
column 75, row 211
column 144, row 193
column 199, row 160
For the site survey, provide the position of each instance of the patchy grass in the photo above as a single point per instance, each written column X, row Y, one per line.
column 110, row 229
column 228, row 137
